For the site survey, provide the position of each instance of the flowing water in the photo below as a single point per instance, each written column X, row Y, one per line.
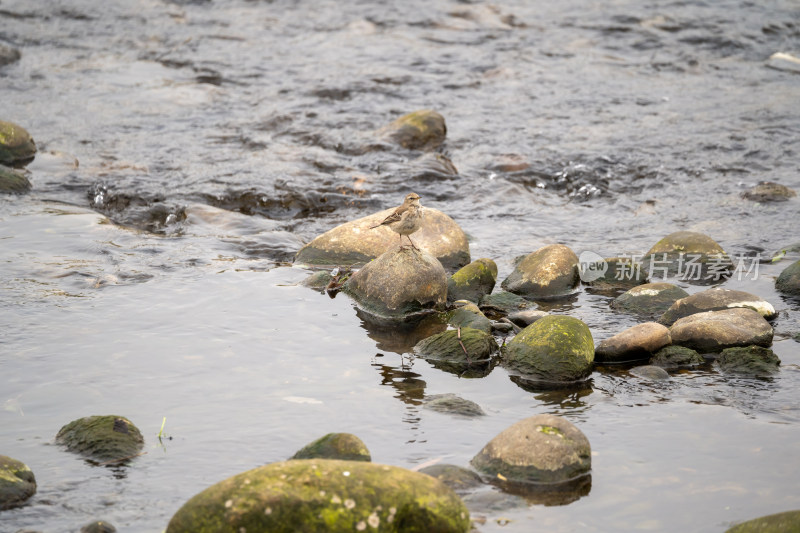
column 189, row 148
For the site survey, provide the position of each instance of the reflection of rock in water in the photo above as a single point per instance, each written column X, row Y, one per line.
column 534, row 385
column 549, row 493
column 399, row 336
column 410, row 389
column 475, row 369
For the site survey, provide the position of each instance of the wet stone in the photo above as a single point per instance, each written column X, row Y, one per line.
column 344, row 446
column 768, row 191
column 650, row 372
column 549, row 272
column 788, row 281
column 99, row 526
column 636, row 343
column 749, row 360
column 677, row 357
column 419, row 130
column 473, row 281
column 786, row 522
column 433, row 165
column 649, row 300
column 468, row 315
column 472, row 346
column 716, row 299
column 503, row 303
column 460, row 479
column 16, row 144
column 17, row 483
column 713, row 331
column 691, row 256
column 612, row 273
column 317, row 280
column 454, row 405
column 8, row 55
column 13, row 181
column 102, row 438
column 526, row 317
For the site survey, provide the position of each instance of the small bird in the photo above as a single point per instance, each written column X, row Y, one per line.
column 406, row 219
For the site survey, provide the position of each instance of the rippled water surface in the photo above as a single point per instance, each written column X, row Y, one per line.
column 188, row 149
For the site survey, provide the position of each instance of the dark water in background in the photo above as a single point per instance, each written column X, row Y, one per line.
column 188, row 149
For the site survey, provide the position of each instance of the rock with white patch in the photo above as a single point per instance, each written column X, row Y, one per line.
column 716, row 300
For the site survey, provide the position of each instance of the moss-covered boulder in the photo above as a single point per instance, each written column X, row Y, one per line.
column 473, row 281
column 539, row 449
column 688, row 255
column 356, row 243
column 399, row 283
column 16, row 144
column 17, row 483
column 786, row 522
column 458, row 478
column 317, row 280
column 788, row 281
column 610, row 273
column 749, row 360
column 466, row 345
column 13, row 181
column 453, row 404
column 769, row 191
column 555, row 349
column 649, row 372
column 468, row 315
column 102, row 438
column 344, row 446
column 677, row 357
column 503, row 303
column 716, row 300
column 549, row 272
column 325, row 496
column 98, row 526
column 713, row 331
column 419, row 130
column 634, row 344
column 649, row 300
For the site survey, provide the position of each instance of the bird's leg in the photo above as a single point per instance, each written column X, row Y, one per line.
column 412, row 242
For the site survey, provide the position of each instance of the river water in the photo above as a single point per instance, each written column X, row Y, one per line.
column 189, row 148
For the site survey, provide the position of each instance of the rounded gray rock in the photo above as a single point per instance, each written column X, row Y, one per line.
column 473, row 281
column 17, row 483
column 713, row 331
column 549, row 272
column 750, row 360
column 788, row 281
column 677, row 357
column 716, row 300
column 650, row 299
column 634, row 344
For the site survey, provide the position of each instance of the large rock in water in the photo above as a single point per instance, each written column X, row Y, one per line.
column 674, row 356
column 473, row 281
column 713, row 331
column 344, row 446
column 473, row 346
column 102, row 438
column 649, row 300
column 786, row 522
column 749, row 360
column 716, row 300
column 16, row 144
column 419, row 130
column 17, row 483
column 355, row 244
column 691, row 256
column 788, row 281
column 549, row 272
column 539, row 449
column 399, row 283
column 324, row 496
column 553, row 350
column 634, row 344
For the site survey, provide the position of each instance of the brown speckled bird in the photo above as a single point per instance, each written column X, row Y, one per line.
column 406, row 219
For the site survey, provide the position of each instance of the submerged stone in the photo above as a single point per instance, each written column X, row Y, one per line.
column 539, row 449
column 98, row 526
column 16, row 144
column 549, row 272
column 634, row 344
column 344, row 446
column 419, row 130
column 788, row 281
column 433, row 165
column 769, row 191
column 460, row 479
column 716, row 300
column 13, row 181
column 786, row 522
column 8, row 55
column 399, row 283
column 649, row 300
column 677, row 357
column 651, row 372
column 750, row 360
column 504, row 303
column 102, row 438
column 691, row 256
column 554, row 349
column 473, row 281
column 472, row 346
column 454, row 405
column 318, row 280
column 17, row 483
column 611, row 273
column 713, row 331
column 324, row 496
column 356, row 243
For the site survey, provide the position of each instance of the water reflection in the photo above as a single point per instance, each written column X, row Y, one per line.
column 409, row 385
column 400, row 337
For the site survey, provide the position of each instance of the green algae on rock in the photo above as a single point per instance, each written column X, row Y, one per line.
column 716, row 299
column 102, row 438
column 468, row 315
column 344, row 446
column 465, row 345
column 16, row 144
column 649, row 300
column 554, row 349
column 540, row 449
column 749, row 360
column 325, row 496
column 13, row 181
column 473, row 281
column 17, row 483
column 418, row 130
column 677, row 357
column 786, row 522
column 355, row 243
column 549, row 272
column 788, row 281
column 400, row 283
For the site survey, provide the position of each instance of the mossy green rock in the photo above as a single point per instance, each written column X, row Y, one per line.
column 787, row 522
column 325, row 496
column 399, row 283
column 460, row 479
column 692, row 256
column 649, row 300
column 677, row 357
column 344, row 446
column 539, row 449
column 13, row 181
column 318, row 280
column 750, row 360
column 17, row 483
column 16, row 144
column 102, row 438
column 445, row 346
column 716, row 300
column 788, row 281
column 468, row 316
column 473, row 281
column 713, row 331
column 98, row 526
column 549, row 272
column 555, row 349
column 419, row 130
column 356, row 243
